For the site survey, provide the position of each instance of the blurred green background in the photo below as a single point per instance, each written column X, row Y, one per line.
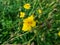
column 48, row 24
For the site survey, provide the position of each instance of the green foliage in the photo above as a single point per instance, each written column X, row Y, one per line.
column 48, row 24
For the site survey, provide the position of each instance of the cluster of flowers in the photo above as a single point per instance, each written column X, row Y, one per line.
column 29, row 22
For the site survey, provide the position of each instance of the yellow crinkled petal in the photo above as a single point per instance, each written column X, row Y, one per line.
column 33, row 24
column 31, row 18
column 26, row 27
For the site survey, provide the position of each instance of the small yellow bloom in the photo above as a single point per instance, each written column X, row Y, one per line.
column 22, row 14
column 27, row 6
column 39, row 11
column 59, row 33
column 28, row 23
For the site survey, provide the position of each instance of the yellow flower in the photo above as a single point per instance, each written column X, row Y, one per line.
column 39, row 11
column 22, row 14
column 28, row 23
column 27, row 6
column 59, row 33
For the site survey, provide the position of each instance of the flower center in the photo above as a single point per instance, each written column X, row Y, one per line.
column 29, row 23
